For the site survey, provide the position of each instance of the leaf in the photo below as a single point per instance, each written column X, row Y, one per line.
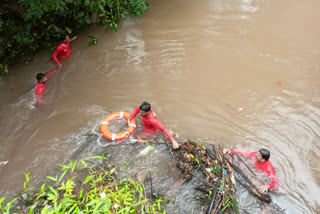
column 84, row 163
column 32, row 207
column 141, row 202
column 68, row 30
column 80, row 193
column 197, row 160
column 88, row 178
column 74, row 166
column 28, row 176
column 8, row 205
column 112, row 171
column 65, row 171
column 53, row 190
column 42, row 187
column 52, row 178
column 99, row 157
column 234, row 204
column 1, row 200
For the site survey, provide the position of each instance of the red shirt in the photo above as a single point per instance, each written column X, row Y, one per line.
column 151, row 123
column 62, row 51
column 265, row 166
column 40, row 87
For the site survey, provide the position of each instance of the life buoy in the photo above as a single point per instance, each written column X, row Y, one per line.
column 106, row 133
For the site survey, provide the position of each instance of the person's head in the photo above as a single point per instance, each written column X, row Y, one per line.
column 66, row 39
column 41, row 77
column 145, row 109
column 262, row 155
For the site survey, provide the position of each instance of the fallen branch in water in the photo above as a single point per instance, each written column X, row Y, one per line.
column 210, row 168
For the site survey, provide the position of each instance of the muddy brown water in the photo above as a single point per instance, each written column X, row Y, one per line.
column 243, row 71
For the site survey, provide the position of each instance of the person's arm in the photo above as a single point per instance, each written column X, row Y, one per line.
column 243, row 153
column 272, row 176
column 73, row 38
column 161, row 127
column 51, row 72
column 134, row 114
column 273, row 179
column 55, row 54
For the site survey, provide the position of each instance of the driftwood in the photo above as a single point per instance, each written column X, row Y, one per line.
column 203, row 189
column 213, row 196
column 208, row 166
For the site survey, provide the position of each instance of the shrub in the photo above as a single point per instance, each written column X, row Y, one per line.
column 28, row 25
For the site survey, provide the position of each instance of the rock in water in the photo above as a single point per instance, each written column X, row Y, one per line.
column 146, row 151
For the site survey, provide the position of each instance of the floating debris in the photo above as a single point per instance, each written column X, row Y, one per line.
column 209, row 166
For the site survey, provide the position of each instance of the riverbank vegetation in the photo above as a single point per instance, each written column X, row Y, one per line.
column 29, row 25
column 84, row 187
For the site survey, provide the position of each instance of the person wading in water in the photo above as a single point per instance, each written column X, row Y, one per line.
column 151, row 122
column 262, row 163
column 41, row 85
column 63, row 50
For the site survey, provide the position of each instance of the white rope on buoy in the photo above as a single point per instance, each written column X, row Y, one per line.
column 94, row 128
column 98, row 140
column 130, row 139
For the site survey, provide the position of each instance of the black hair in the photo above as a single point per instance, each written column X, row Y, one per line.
column 265, row 154
column 145, row 106
column 40, row 76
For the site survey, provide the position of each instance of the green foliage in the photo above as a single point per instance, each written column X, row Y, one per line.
column 96, row 192
column 230, row 202
column 28, row 25
column 6, row 209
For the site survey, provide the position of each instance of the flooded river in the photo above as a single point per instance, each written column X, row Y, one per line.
column 243, row 71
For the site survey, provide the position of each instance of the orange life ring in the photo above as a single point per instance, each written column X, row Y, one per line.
column 117, row 136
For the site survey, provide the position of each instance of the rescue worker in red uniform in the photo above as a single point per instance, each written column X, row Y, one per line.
column 262, row 163
column 63, row 50
column 41, row 85
column 151, row 122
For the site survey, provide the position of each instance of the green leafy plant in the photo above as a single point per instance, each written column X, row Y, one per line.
column 29, row 25
column 92, row 189
column 93, row 40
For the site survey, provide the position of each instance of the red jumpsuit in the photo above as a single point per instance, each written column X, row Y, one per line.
column 40, row 87
column 151, row 123
column 265, row 166
column 62, row 51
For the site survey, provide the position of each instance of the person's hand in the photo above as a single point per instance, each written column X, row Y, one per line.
column 59, row 66
column 226, row 151
column 175, row 145
column 264, row 189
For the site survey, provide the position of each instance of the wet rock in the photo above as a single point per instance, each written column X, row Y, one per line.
column 141, row 176
column 181, row 166
column 109, row 164
column 24, row 196
column 146, row 151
